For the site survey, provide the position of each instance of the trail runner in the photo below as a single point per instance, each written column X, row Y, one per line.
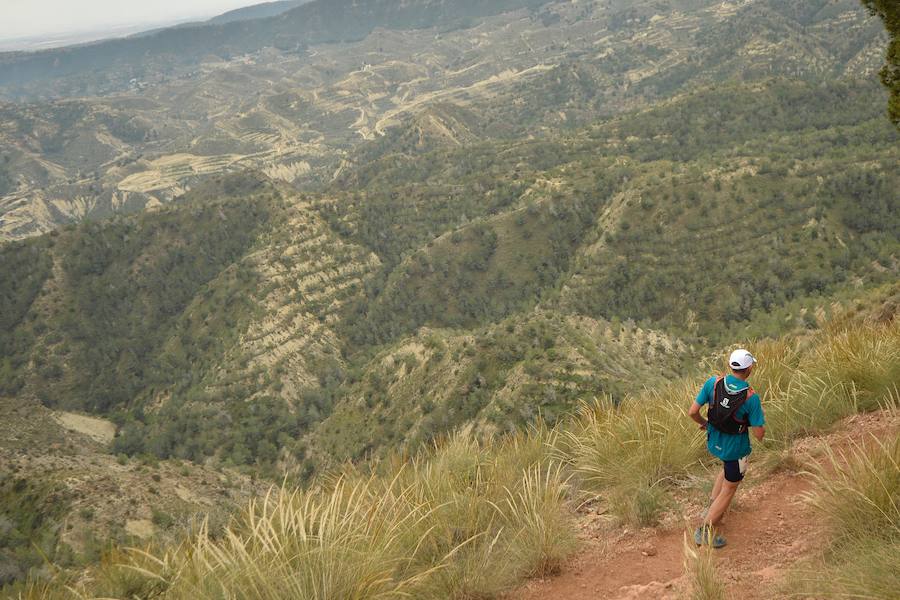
column 734, row 412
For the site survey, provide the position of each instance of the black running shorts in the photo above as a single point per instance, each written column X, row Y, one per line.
column 735, row 469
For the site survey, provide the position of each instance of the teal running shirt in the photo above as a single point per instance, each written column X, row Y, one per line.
column 727, row 446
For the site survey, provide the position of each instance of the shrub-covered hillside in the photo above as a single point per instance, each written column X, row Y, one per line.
column 249, row 323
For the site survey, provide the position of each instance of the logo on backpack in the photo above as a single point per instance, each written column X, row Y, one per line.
column 725, row 401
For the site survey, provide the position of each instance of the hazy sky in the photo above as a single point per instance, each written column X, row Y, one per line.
column 25, row 18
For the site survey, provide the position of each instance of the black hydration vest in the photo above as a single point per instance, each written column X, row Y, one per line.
column 723, row 407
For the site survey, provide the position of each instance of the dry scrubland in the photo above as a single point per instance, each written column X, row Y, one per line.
column 106, row 146
column 469, row 520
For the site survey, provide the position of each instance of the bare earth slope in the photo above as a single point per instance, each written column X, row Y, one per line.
column 769, row 529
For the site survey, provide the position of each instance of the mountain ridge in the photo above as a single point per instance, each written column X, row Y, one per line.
column 319, row 22
column 304, row 118
column 257, row 11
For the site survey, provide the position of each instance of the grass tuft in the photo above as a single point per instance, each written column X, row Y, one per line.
column 844, row 370
column 859, row 495
column 699, row 566
column 627, row 453
column 536, row 511
column 858, row 498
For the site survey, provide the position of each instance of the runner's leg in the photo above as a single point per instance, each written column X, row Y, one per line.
column 721, row 503
column 732, row 474
column 717, row 486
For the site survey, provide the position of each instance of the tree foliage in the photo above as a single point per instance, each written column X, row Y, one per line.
column 889, row 11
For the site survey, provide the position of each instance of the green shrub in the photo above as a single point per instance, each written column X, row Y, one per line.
column 162, row 519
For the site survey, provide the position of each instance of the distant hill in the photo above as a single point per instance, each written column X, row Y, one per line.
column 257, row 11
column 136, row 138
column 316, row 22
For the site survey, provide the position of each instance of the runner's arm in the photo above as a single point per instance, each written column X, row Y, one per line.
column 702, row 398
column 757, row 418
column 694, row 413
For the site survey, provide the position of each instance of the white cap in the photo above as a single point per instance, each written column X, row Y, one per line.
column 741, row 359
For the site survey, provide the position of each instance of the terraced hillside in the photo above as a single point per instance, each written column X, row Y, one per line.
column 287, row 348
column 295, row 112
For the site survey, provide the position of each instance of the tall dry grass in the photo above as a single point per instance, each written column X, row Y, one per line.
column 630, row 453
column 840, row 372
column 857, row 496
column 464, row 520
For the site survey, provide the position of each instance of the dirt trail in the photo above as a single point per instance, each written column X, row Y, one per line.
column 768, row 528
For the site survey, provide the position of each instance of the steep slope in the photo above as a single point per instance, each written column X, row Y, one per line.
column 490, row 380
column 771, row 530
column 466, row 517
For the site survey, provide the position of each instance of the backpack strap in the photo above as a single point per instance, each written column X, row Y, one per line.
column 744, row 423
column 716, row 384
column 712, row 397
